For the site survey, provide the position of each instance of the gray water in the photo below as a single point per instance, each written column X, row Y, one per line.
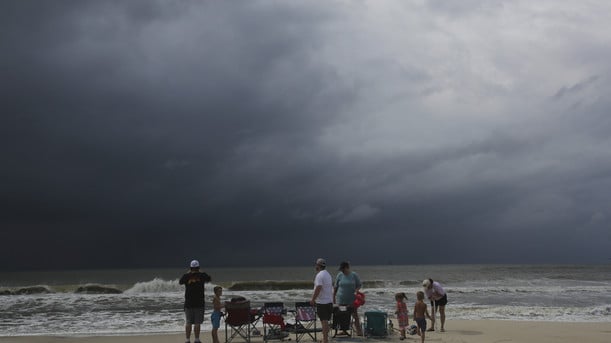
column 150, row 300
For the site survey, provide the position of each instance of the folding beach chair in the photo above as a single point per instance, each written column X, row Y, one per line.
column 255, row 317
column 376, row 324
column 305, row 321
column 273, row 321
column 238, row 320
column 342, row 319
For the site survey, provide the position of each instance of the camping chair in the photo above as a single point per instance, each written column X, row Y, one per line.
column 273, row 321
column 238, row 320
column 342, row 319
column 305, row 321
column 255, row 317
column 376, row 324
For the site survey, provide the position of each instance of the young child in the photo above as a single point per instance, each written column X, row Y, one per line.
column 401, row 312
column 420, row 315
column 216, row 313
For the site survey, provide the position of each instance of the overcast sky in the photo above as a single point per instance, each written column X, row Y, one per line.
column 148, row 133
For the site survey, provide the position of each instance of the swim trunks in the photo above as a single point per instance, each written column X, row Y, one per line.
column 215, row 317
column 421, row 323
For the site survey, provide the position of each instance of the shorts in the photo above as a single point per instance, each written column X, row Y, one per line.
column 421, row 323
column 215, row 317
column 194, row 315
column 441, row 302
column 324, row 311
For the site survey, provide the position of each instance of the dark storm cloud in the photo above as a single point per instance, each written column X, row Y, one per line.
column 143, row 133
column 121, row 116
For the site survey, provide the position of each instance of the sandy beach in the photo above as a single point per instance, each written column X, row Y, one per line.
column 459, row 331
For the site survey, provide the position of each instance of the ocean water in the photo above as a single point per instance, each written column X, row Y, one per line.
column 123, row 302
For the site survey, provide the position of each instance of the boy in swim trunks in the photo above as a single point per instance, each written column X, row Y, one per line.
column 215, row 317
column 420, row 315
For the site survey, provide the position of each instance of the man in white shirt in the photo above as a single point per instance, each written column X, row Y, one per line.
column 323, row 297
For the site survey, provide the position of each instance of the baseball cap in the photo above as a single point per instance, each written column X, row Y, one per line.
column 321, row 262
column 426, row 283
column 195, row 264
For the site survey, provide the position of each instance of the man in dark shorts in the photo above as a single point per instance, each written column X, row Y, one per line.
column 439, row 299
column 194, row 282
column 323, row 297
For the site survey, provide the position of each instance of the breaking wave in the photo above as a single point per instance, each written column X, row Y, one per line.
column 157, row 285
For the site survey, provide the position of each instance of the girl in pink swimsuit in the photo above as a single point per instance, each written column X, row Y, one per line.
column 401, row 313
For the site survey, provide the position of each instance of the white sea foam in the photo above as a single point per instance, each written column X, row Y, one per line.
column 156, row 285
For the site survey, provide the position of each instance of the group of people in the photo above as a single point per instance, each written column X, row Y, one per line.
column 347, row 285
column 342, row 292
column 438, row 297
column 328, row 292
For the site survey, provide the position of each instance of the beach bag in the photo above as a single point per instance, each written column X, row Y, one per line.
column 359, row 300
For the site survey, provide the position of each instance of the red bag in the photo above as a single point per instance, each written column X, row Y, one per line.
column 359, row 300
